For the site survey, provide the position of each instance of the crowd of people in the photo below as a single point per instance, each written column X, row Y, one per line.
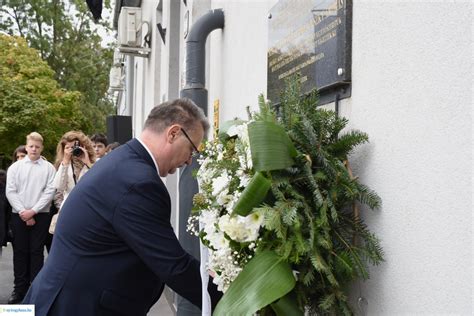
column 33, row 191
column 114, row 247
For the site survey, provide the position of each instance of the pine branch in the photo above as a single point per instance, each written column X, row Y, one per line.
column 346, row 143
column 289, row 214
column 308, row 277
column 266, row 112
column 368, row 197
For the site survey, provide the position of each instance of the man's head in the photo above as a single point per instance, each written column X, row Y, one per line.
column 34, row 145
column 99, row 142
column 173, row 132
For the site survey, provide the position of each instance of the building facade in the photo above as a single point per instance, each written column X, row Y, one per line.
column 411, row 91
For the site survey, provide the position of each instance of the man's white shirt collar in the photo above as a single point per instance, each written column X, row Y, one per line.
column 151, row 155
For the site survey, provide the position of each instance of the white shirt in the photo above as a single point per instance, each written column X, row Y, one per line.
column 151, row 155
column 30, row 185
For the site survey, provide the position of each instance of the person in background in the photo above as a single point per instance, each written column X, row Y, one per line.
column 19, row 153
column 99, row 142
column 111, row 147
column 30, row 191
column 52, row 212
column 3, row 210
column 116, row 251
column 74, row 157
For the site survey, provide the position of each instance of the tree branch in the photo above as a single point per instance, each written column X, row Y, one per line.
column 17, row 20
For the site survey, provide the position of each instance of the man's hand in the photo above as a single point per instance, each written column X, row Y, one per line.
column 26, row 215
column 30, row 222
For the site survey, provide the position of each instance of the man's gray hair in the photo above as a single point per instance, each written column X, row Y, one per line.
column 180, row 111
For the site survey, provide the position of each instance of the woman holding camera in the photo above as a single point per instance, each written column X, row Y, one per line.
column 74, row 157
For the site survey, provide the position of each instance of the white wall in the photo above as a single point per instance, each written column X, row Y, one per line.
column 412, row 93
column 238, row 54
column 151, row 81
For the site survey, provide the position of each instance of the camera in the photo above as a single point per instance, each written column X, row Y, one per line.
column 76, row 149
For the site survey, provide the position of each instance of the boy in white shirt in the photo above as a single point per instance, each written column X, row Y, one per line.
column 30, row 191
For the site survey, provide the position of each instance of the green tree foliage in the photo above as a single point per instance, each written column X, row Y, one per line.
column 31, row 100
column 64, row 34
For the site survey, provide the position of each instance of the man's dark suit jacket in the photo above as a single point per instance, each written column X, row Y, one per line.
column 114, row 247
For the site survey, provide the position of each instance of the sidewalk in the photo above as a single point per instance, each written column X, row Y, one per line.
column 161, row 308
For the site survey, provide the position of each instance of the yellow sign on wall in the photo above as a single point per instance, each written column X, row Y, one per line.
column 216, row 116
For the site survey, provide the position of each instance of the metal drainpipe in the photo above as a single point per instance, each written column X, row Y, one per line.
column 196, row 91
column 336, row 103
column 129, row 86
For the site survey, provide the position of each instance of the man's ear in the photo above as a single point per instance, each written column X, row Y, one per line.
column 173, row 132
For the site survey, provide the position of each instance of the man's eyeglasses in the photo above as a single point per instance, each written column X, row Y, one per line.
column 195, row 150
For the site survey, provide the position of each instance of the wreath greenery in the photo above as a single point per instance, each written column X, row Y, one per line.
column 277, row 208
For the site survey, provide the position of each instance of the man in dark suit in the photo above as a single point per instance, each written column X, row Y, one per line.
column 114, row 247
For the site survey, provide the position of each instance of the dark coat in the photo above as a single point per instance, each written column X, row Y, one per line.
column 3, row 216
column 114, row 247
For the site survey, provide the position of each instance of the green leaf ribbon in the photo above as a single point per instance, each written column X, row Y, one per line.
column 253, row 195
column 287, row 306
column 265, row 279
column 271, row 146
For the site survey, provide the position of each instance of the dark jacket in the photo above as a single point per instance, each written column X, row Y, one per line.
column 114, row 247
column 3, row 216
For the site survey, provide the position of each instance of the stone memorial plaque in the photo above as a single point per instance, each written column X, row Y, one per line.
column 313, row 38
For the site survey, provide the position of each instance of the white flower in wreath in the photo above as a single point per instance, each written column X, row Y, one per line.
column 208, row 217
column 223, row 198
column 219, row 281
column 208, row 220
column 254, row 220
column 220, row 154
column 220, row 184
column 233, row 201
column 244, row 181
column 206, row 173
column 237, row 130
column 218, row 240
column 248, row 153
column 203, row 174
column 245, row 156
column 222, row 262
column 240, row 228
